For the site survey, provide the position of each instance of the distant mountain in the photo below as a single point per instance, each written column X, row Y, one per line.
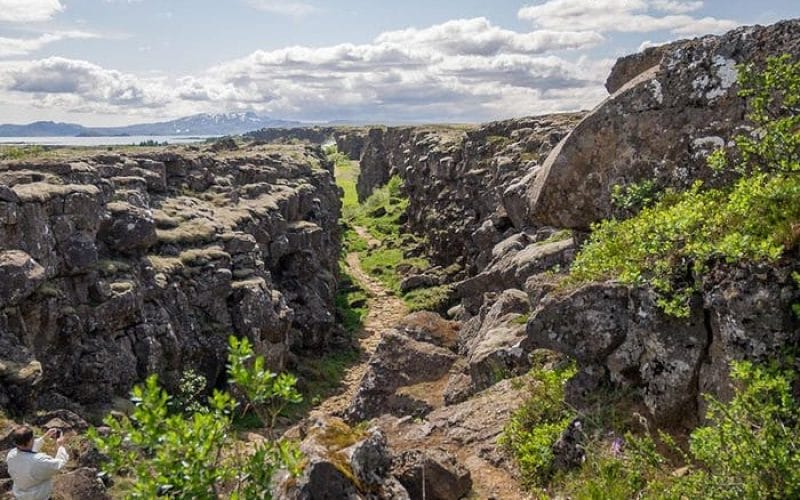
column 42, row 129
column 201, row 124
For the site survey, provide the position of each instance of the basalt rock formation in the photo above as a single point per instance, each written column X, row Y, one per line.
column 511, row 202
column 115, row 266
column 461, row 180
column 670, row 107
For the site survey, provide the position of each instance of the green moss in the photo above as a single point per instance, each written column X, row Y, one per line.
column 522, row 319
column 109, row 267
column 201, row 256
column 188, row 232
column 167, row 265
column 121, row 287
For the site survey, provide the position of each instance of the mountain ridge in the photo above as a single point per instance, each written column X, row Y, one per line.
column 198, row 124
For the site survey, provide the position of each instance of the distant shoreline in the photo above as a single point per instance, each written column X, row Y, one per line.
column 101, row 140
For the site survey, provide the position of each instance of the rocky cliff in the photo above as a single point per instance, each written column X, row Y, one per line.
column 115, row 266
column 511, row 201
column 460, row 180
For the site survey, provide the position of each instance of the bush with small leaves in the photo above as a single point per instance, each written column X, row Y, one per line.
column 195, row 454
column 534, row 428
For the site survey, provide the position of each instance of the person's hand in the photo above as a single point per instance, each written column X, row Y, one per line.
column 51, row 433
column 61, row 441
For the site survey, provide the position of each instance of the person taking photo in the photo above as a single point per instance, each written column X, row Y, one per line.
column 32, row 471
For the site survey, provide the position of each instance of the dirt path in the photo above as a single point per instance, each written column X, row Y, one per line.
column 384, row 311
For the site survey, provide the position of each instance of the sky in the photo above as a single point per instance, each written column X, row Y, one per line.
column 117, row 62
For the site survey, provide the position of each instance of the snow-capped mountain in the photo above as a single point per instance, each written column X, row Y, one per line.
column 200, row 124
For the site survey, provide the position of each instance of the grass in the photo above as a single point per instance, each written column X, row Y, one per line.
column 20, row 152
column 381, row 215
column 437, row 298
column 320, row 378
column 351, row 303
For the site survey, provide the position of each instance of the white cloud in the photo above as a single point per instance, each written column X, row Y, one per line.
column 624, row 16
column 75, row 84
column 24, row 11
column 479, row 37
column 14, row 47
column 460, row 70
column 676, row 7
column 288, row 8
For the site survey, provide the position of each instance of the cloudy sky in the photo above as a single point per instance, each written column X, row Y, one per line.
column 115, row 62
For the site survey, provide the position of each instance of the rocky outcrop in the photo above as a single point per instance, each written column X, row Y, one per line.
column 457, row 178
column 342, row 463
column 621, row 339
column 401, row 378
column 688, row 95
column 115, row 266
column 433, row 474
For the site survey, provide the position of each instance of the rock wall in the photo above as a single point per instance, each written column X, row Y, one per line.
column 113, row 266
column 458, row 179
column 481, row 198
column 670, row 108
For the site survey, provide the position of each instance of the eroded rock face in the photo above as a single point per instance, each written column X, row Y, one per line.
column 619, row 335
column 118, row 266
column 457, row 179
column 659, row 125
column 621, row 338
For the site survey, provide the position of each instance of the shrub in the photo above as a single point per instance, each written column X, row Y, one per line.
column 749, row 449
column 533, row 429
column 195, row 455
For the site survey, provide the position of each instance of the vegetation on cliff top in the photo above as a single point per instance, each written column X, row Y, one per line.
column 670, row 244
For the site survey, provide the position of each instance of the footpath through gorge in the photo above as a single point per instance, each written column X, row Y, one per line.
column 384, row 310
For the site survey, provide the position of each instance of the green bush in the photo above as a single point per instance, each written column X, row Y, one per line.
column 195, row 455
column 669, row 244
column 534, row 428
column 750, row 449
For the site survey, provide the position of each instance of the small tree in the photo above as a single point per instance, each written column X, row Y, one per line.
column 194, row 454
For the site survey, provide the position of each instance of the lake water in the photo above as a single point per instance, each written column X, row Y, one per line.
column 101, row 141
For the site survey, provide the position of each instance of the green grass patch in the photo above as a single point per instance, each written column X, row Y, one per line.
column 437, row 298
column 20, row 152
column 351, row 303
column 320, row 378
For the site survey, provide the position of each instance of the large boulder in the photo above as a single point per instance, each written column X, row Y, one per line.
column 342, row 463
column 80, row 484
column 619, row 335
column 689, row 96
column 400, row 362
